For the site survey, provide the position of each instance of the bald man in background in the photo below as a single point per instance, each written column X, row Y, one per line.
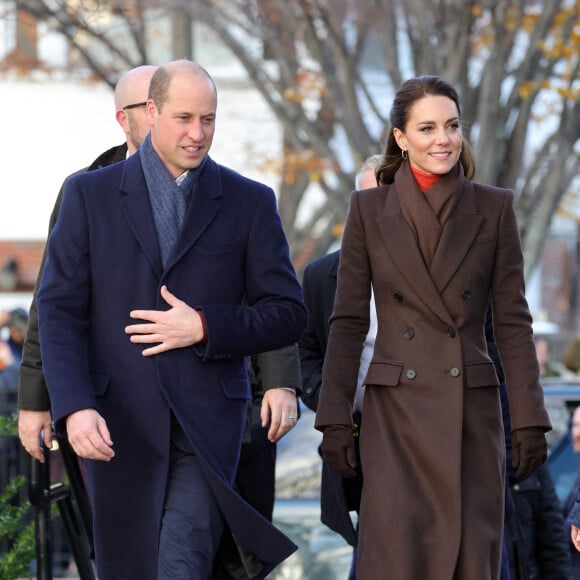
column 33, row 400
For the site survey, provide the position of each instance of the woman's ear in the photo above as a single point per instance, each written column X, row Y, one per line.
column 400, row 139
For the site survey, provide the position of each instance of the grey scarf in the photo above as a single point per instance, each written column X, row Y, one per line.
column 169, row 200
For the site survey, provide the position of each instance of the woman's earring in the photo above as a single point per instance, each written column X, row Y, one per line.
column 404, row 154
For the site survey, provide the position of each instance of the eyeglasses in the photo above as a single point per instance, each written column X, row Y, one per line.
column 134, row 106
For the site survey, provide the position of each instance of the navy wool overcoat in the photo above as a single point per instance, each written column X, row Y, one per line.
column 231, row 262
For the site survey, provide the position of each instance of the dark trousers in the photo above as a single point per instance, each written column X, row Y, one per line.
column 256, row 476
column 192, row 524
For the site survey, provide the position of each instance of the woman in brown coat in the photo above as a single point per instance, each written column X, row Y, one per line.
column 437, row 249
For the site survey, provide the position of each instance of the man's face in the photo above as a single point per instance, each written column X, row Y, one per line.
column 131, row 101
column 182, row 131
column 138, row 125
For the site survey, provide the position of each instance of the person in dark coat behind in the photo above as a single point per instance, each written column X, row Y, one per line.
column 534, row 532
column 540, row 546
column 255, row 478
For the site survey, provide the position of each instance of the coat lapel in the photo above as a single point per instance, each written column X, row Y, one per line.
column 403, row 249
column 457, row 237
column 201, row 211
column 137, row 209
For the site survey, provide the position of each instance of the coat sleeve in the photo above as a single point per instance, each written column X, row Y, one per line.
column 274, row 314
column 349, row 324
column 63, row 305
column 280, row 368
column 512, row 325
column 311, row 349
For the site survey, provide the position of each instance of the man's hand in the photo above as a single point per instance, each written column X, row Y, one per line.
column 575, row 536
column 30, row 424
column 178, row 327
column 89, row 436
column 280, row 409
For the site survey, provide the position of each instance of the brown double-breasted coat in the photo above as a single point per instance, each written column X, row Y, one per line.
column 432, row 442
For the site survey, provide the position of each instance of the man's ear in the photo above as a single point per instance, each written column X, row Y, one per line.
column 121, row 117
column 151, row 112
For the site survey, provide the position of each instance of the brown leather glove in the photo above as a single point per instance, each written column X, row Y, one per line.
column 338, row 449
column 529, row 450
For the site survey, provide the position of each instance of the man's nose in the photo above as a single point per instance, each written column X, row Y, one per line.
column 195, row 131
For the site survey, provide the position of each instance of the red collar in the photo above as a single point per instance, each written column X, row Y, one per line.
column 425, row 180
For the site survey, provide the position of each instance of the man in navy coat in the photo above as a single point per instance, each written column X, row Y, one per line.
column 145, row 320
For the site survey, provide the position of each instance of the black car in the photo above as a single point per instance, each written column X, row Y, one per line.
column 561, row 398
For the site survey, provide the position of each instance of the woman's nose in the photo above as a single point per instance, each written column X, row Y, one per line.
column 442, row 136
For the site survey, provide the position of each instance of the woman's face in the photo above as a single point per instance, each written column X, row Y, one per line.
column 432, row 136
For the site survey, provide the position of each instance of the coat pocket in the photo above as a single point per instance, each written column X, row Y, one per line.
column 384, row 374
column 484, row 239
column 481, row 375
column 236, row 388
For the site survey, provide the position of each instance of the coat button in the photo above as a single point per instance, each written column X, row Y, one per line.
column 451, row 332
column 454, row 372
column 409, row 333
column 411, row 374
column 398, row 296
column 466, row 295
